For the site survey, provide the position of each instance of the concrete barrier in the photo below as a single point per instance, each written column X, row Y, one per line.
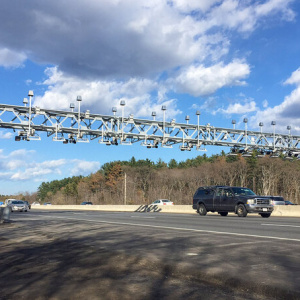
column 4, row 214
column 125, row 208
column 279, row 210
column 286, row 211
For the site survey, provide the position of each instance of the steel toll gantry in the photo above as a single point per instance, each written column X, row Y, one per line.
column 74, row 127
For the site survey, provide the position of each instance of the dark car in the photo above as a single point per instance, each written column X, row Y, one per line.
column 28, row 204
column 289, row 202
column 86, row 203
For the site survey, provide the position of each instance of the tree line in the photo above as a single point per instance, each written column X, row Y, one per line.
column 147, row 181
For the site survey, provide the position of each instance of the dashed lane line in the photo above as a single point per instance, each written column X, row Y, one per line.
column 281, row 225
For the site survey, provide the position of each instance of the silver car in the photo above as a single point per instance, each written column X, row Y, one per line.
column 277, row 200
column 18, row 205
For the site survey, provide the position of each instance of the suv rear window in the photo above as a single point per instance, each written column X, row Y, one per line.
column 202, row 192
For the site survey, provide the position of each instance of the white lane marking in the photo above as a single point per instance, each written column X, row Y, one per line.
column 138, row 217
column 282, row 225
column 182, row 229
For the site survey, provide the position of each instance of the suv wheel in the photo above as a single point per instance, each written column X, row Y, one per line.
column 241, row 210
column 202, row 210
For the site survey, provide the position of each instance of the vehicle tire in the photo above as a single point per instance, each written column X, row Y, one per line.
column 223, row 213
column 241, row 210
column 265, row 215
column 202, row 210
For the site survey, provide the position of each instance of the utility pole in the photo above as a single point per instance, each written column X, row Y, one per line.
column 125, row 184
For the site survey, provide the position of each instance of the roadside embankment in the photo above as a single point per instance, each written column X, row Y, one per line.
column 279, row 210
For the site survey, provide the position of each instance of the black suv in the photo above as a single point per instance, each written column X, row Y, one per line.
column 224, row 199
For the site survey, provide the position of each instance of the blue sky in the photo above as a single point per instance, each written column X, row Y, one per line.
column 229, row 59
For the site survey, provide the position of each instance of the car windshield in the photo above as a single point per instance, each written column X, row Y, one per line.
column 17, row 202
column 243, row 191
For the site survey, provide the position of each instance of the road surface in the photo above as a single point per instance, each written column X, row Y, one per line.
column 108, row 255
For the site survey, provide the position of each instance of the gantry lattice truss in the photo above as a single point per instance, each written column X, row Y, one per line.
column 73, row 127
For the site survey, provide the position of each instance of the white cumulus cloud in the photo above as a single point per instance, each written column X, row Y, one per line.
column 84, row 167
column 200, row 80
column 5, row 135
column 286, row 113
column 240, row 108
column 20, row 165
column 99, row 96
column 11, row 59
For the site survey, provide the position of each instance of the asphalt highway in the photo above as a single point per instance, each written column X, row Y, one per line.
column 253, row 226
column 253, row 254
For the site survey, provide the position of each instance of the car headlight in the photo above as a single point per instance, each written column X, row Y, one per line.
column 251, row 201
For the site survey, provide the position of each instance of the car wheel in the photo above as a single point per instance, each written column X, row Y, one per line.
column 241, row 210
column 202, row 210
column 265, row 215
column 223, row 213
